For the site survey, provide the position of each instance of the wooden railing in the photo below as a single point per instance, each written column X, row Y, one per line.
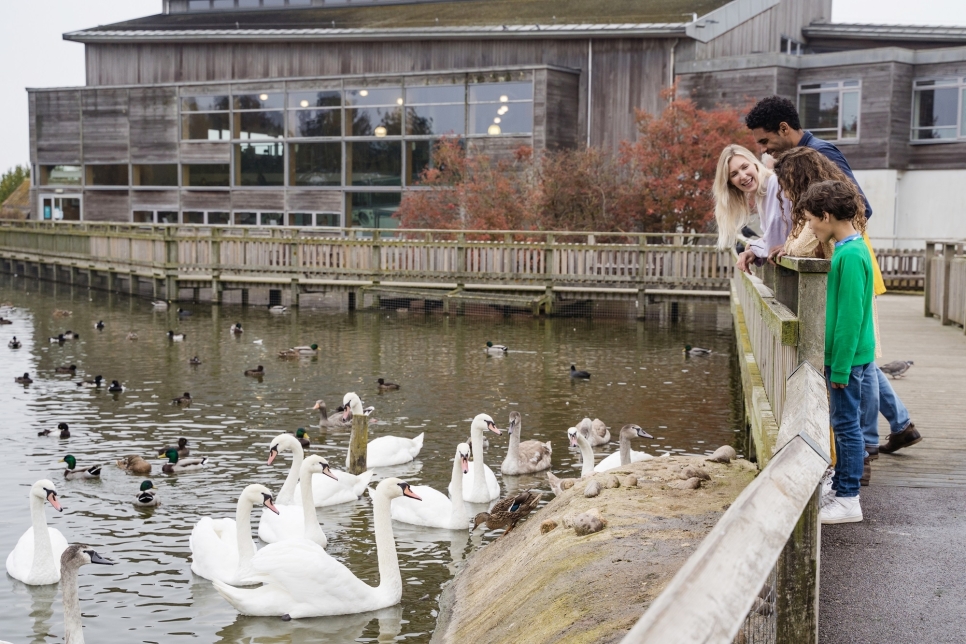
column 946, row 282
column 771, row 531
column 903, row 269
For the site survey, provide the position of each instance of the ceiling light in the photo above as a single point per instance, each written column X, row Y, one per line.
column 381, row 131
column 504, row 98
column 496, row 120
column 363, row 92
column 493, row 130
column 399, row 101
column 503, row 110
column 304, row 103
column 263, row 97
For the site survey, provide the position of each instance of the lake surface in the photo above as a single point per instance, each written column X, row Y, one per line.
column 640, row 375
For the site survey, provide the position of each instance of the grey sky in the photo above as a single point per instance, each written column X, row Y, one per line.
column 34, row 55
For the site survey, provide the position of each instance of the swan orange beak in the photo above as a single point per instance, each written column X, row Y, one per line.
column 328, row 472
column 493, row 428
column 466, row 463
column 272, row 453
column 271, row 506
column 409, row 492
column 52, row 497
column 317, row 406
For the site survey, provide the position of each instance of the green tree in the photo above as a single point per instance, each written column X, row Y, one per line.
column 12, row 179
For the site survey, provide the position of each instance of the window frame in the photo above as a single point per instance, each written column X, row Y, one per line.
column 842, row 88
column 940, row 82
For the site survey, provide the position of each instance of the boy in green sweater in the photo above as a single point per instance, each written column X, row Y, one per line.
column 830, row 208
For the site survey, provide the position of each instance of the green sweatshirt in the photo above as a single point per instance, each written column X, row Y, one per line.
column 849, row 335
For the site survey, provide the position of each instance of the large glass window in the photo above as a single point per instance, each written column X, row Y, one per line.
column 315, row 164
column 321, row 219
column 939, row 109
column 436, row 110
column 160, row 174
column 419, row 157
column 830, row 110
column 501, row 108
column 259, row 164
column 193, row 217
column 246, row 218
column 60, row 175
column 205, row 175
column 205, row 118
column 374, row 163
column 259, row 116
column 315, row 114
column 114, row 174
column 374, row 209
column 374, row 112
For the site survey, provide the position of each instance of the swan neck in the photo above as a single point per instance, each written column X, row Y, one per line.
column 243, row 531
column 73, row 631
column 625, row 450
column 587, row 454
column 456, row 481
column 513, row 450
column 43, row 550
column 479, row 478
column 286, row 495
column 313, row 531
column 390, row 580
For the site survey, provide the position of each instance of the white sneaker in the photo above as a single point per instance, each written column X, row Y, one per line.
column 827, row 493
column 841, row 509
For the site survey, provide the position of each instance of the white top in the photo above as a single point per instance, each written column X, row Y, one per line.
column 775, row 217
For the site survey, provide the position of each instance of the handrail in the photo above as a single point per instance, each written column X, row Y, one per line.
column 945, row 281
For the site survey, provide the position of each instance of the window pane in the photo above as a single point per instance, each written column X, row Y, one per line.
column 219, row 219
column 107, row 175
column 418, row 157
column 330, row 219
column 316, row 164
column 198, row 5
column 193, row 217
column 926, row 134
column 246, row 219
column 381, row 96
column 500, row 92
column 850, row 115
column 513, row 118
column 322, row 98
column 143, row 217
column 435, row 119
column 272, row 219
column 273, row 3
column 260, row 101
column 62, row 175
column 436, row 94
column 936, row 108
column 222, row 4
column 205, row 175
column 374, row 163
column 819, row 110
column 293, row 3
column 375, row 209
column 168, row 217
column 210, row 127
column 300, row 219
column 259, row 164
column 367, row 121
column 211, row 103
column 303, row 123
column 259, row 125
column 247, row 4
column 156, row 175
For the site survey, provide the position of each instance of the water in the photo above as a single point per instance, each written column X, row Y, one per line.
column 639, row 375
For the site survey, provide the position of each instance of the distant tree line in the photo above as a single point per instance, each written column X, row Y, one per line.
column 11, row 180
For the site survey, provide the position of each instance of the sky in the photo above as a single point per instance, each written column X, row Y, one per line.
column 33, row 53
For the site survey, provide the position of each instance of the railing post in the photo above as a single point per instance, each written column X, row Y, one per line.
column 358, row 444
column 796, row 594
column 215, row 260
column 949, row 252
column 170, row 263
column 929, row 277
column 809, row 303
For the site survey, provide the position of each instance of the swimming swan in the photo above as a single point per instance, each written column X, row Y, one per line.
column 70, row 561
column 558, row 485
column 526, row 457
column 34, row 560
column 385, row 450
column 297, row 518
column 437, row 510
column 302, row 580
column 480, row 484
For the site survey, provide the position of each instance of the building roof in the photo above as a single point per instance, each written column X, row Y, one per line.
column 885, row 32
column 453, row 18
column 17, row 205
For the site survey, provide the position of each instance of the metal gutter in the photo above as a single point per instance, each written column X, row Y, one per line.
column 891, row 32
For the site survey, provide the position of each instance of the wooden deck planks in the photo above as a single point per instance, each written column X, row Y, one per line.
column 934, row 391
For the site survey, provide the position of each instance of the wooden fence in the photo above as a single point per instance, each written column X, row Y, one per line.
column 945, row 282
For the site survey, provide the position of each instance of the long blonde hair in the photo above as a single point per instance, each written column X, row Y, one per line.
column 731, row 208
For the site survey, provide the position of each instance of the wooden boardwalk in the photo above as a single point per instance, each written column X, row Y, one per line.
column 934, row 390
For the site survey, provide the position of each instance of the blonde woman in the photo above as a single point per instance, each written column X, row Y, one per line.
column 740, row 181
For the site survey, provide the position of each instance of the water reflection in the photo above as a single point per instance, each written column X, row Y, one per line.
column 639, row 375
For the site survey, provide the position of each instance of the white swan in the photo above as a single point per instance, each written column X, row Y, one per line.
column 385, row 450
column 626, row 455
column 480, row 484
column 586, row 468
column 299, row 520
column 437, row 510
column 526, row 457
column 302, row 580
column 222, row 549
column 70, row 561
column 339, row 487
column 595, row 431
column 35, row 559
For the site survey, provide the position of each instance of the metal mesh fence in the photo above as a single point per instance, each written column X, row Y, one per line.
column 760, row 624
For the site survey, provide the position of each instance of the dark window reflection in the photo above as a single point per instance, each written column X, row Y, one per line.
column 219, row 218
column 374, row 163
column 204, row 103
column 162, row 174
column 246, row 219
column 377, row 96
column 261, row 101
column 205, row 175
column 107, row 175
column 367, row 121
column 306, row 123
column 419, row 155
column 374, row 209
column 211, row 127
column 435, row 119
column 316, row 164
column 194, row 217
column 325, row 98
column 259, row 164
column 259, row 125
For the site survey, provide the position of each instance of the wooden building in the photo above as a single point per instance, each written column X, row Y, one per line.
column 312, row 112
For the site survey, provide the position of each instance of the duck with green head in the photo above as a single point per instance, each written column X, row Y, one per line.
column 303, row 437
column 696, row 351
column 176, row 465
column 73, row 472
column 299, row 352
column 147, row 496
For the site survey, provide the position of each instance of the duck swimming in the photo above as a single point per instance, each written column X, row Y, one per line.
column 132, row 335
column 24, row 379
column 72, row 472
column 696, row 351
column 99, row 325
column 115, row 387
column 177, row 466
column 64, row 431
column 60, row 339
column 257, row 372
column 14, row 343
column 195, row 361
column 387, row 386
column 176, row 337
column 236, row 328
column 303, row 437
column 182, row 401
column 70, row 335
column 91, row 382
column 147, row 496
column 182, row 448
column 577, row 374
column 496, row 349
column 184, row 312
column 134, row 464
column 72, row 369
column 299, row 352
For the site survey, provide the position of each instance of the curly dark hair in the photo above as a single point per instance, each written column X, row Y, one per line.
column 799, row 168
column 771, row 112
column 832, row 197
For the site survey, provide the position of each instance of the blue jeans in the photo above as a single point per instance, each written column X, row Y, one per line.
column 890, row 406
column 869, row 408
column 845, row 408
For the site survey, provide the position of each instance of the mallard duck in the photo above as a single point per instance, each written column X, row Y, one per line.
column 99, row 325
column 160, row 305
column 91, row 382
column 176, row 337
column 182, row 401
column 176, row 466
column 182, row 448
column 277, row 309
column 132, row 335
column 236, row 328
column 58, row 340
column 507, row 512
column 257, row 372
column 25, row 379
column 64, row 431
column 195, row 361
column 183, row 312
column 70, row 335
column 296, row 352
column 696, row 351
column 72, row 369
column 387, row 386
column 896, row 369
column 14, row 343
column 5, row 321
column 575, row 373
column 134, row 464
column 303, row 437
column 147, row 496
column 115, row 387
column 62, row 313
column 72, row 472
column 496, row 349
